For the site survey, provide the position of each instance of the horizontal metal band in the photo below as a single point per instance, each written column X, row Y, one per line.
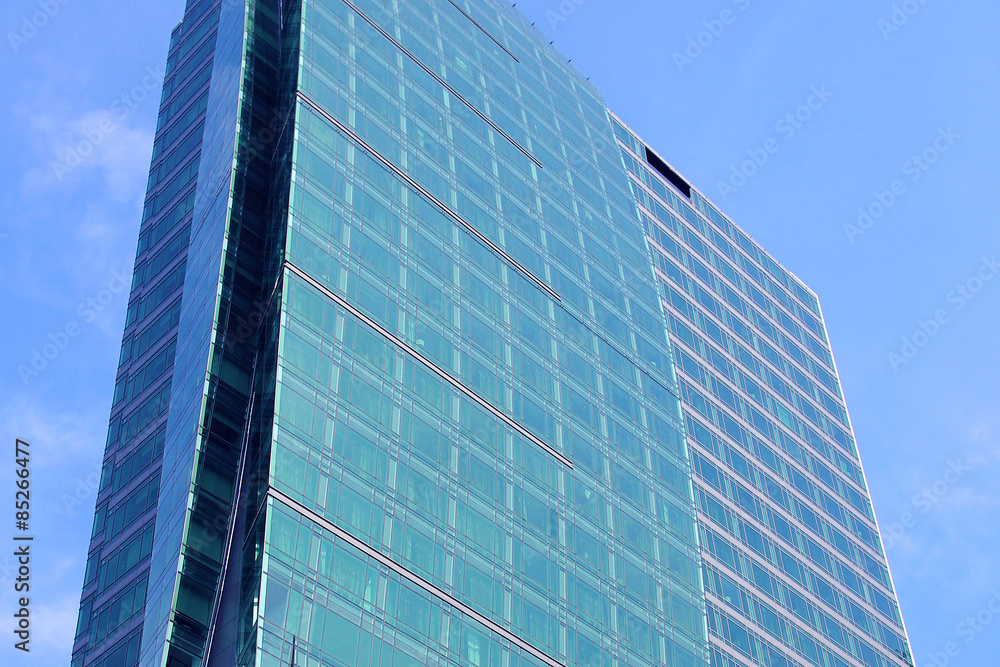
column 499, row 414
column 444, row 83
column 441, row 205
column 410, row 576
column 485, row 31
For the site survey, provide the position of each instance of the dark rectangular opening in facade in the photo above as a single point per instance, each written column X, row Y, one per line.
column 659, row 165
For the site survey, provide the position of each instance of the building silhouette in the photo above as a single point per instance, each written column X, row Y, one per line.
column 430, row 360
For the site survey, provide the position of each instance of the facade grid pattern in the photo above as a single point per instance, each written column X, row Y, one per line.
column 794, row 568
column 509, row 396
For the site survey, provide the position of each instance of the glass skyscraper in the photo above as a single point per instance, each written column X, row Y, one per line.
column 794, row 569
column 429, row 360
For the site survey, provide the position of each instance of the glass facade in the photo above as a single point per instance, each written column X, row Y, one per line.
column 794, row 569
column 397, row 386
column 118, row 565
column 473, row 451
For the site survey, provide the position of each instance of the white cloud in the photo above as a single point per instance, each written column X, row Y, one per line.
column 67, row 437
column 64, row 445
column 74, row 148
column 984, row 434
column 81, row 200
column 953, row 542
column 53, row 629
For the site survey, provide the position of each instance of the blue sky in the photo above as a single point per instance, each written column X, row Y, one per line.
column 901, row 126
